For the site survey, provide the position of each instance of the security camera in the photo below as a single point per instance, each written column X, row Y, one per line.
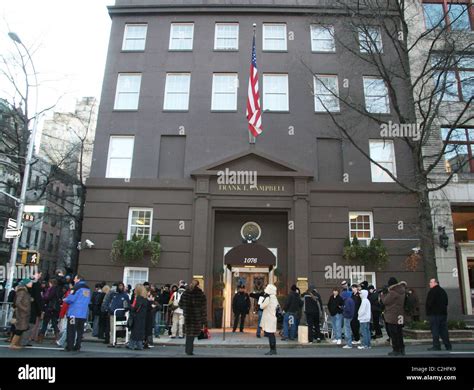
column 89, row 244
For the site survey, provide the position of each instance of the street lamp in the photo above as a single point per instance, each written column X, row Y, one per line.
column 24, row 185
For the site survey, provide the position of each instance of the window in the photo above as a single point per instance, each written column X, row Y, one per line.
column 274, row 37
column 181, row 36
column 370, row 40
column 376, row 96
column 134, row 37
column 383, row 152
column 459, row 149
column 361, row 226
column 177, row 91
column 119, row 163
column 43, row 240
column 275, row 92
column 139, row 223
column 134, row 275
column 50, row 242
column 322, row 38
column 226, row 36
column 35, row 243
column 326, row 91
column 128, row 91
column 442, row 13
column 454, row 76
column 359, row 277
column 224, row 91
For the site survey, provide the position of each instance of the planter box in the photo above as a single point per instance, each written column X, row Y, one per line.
column 426, row 334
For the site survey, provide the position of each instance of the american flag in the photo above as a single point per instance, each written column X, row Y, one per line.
column 254, row 114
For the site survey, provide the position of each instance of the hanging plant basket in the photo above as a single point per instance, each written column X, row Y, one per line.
column 129, row 251
column 374, row 255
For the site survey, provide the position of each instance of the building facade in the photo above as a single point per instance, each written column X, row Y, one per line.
column 172, row 153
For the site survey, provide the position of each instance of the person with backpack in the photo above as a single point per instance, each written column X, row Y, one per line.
column 178, row 314
column 312, row 307
column 240, row 308
column 52, row 306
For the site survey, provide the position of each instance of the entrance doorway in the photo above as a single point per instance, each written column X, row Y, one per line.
column 253, row 282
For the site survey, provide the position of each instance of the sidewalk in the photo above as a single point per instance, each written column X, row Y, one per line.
column 248, row 339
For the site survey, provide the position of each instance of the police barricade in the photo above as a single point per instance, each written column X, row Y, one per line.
column 119, row 328
column 6, row 315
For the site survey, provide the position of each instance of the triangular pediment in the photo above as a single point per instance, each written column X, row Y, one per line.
column 252, row 160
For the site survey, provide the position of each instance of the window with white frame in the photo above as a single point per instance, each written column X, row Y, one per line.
column 383, row 152
column 361, row 226
column 128, row 91
column 275, row 92
column 370, row 40
column 322, row 38
column 226, row 36
column 224, row 91
column 376, row 96
column 134, row 37
column 357, row 277
column 139, row 222
column 120, row 156
column 135, row 275
column 177, row 91
column 181, row 36
column 326, row 92
column 274, row 37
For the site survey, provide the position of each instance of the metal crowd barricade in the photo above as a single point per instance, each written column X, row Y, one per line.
column 6, row 315
column 165, row 320
column 120, row 326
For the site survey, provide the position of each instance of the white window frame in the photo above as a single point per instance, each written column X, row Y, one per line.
column 129, row 222
column 172, row 39
column 330, row 28
column 127, row 269
column 126, row 39
column 378, row 42
column 165, row 100
column 118, row 92
column 235, row 92
column 265, row 93
column 371, row 222
column 121, row 158
column 374, row 168
column 327, row 93
column 264, row 37
column 216, row 37
column 387, row 99
column 353, row 280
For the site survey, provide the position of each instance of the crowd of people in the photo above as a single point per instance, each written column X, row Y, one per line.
column 357, row 311
column 66, row 305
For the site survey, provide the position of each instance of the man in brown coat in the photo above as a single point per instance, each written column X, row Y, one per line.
column 394, row 314
column 21, row 315
column 193, row 303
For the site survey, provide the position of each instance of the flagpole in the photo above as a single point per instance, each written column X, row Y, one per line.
column 252, row 139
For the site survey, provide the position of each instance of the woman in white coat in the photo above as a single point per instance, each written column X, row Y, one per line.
column 269, row 304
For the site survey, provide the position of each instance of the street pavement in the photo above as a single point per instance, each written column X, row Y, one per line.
column 94, row 349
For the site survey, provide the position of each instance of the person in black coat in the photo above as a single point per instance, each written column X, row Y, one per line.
column 137, row 318
column 376, row 309
column 313, row 307
column 149, row 320
column 355, row 325
column 335, row 308
column 437, row 313
column 36, row 311
column 240, row 308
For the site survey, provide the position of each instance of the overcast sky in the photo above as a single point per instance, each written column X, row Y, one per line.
column 69, row 39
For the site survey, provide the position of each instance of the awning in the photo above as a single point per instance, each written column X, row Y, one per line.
column 248, row 255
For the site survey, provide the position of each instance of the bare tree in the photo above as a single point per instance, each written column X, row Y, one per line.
column 416, row 68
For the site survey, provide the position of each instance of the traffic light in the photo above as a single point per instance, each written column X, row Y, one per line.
column 28, row 217
column 30, row 257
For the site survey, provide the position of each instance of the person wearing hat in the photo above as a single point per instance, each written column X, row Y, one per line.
column 240, row 308
column 22, row 313
column 292, row 306
column 355, row 324
column 269, row 304
column 394, row 313
column 313, row 310
column 345, row 287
